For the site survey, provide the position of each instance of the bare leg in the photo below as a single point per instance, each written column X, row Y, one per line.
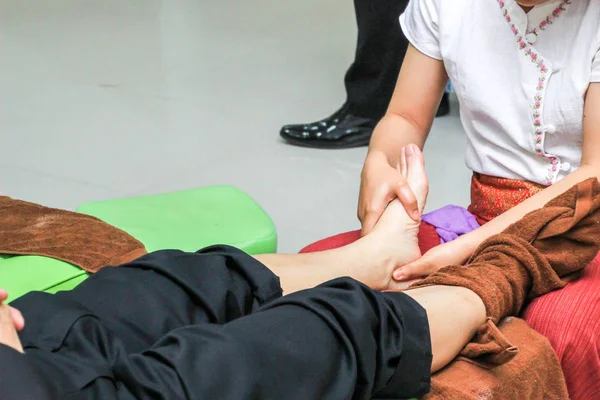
column 370, row 260
column 454, row 314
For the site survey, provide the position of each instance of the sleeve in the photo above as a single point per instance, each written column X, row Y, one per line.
column 420, row 24
column 596, row 68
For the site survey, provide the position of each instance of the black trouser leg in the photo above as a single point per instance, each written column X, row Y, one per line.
column 141, row 301
column 380, row 49
column 340, row 340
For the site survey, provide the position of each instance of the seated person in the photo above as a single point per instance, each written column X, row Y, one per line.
column 214, row 324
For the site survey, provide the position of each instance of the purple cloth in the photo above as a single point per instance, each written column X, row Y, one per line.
column 450, row 222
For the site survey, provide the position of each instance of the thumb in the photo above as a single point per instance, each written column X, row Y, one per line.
column 405, row 194
column 414, row 270
column 374, row 212
column 369, row 222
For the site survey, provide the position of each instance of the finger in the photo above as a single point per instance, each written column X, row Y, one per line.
column 361, row 201
column 408, row 199
column 17, row 319
column 3, row 295
column 361, row 211
column 369, row 222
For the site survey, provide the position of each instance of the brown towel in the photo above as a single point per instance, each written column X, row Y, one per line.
column 482, row 373
column 527, row 260
column 82, row 240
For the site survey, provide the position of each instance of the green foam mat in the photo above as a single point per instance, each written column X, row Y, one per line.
column 22, row 274
column 191, row 219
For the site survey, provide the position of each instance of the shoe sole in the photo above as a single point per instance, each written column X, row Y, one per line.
column 328, row 144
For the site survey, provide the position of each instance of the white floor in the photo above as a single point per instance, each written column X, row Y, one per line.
column 111, row 98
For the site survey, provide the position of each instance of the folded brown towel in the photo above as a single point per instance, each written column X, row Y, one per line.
column 531, row 256
column 82, row 240
column 481, row 372
column 527, row 260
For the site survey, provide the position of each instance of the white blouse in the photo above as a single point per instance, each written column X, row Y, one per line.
column 520, row 78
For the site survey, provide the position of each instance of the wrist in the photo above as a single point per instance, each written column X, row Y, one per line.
column 377, row 156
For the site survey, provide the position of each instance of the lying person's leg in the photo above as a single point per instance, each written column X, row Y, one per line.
column 454, row 315
column 339, row 340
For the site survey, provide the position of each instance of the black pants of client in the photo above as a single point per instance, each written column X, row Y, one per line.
column 213, row 325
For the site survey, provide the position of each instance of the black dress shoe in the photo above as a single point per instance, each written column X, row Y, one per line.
column 341, row 130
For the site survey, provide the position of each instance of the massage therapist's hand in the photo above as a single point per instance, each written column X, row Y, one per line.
column 380, row 184
column 456, row 252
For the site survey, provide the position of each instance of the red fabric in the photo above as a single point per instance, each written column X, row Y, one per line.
column 570, row 319
column 428, row 238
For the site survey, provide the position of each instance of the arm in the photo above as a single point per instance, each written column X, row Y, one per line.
column 412, row 109
column 458, row 251
column 408, row 120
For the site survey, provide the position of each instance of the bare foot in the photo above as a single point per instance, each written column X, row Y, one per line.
column 395, row 235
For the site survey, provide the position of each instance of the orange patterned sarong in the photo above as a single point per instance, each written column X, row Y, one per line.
column 491, row 196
